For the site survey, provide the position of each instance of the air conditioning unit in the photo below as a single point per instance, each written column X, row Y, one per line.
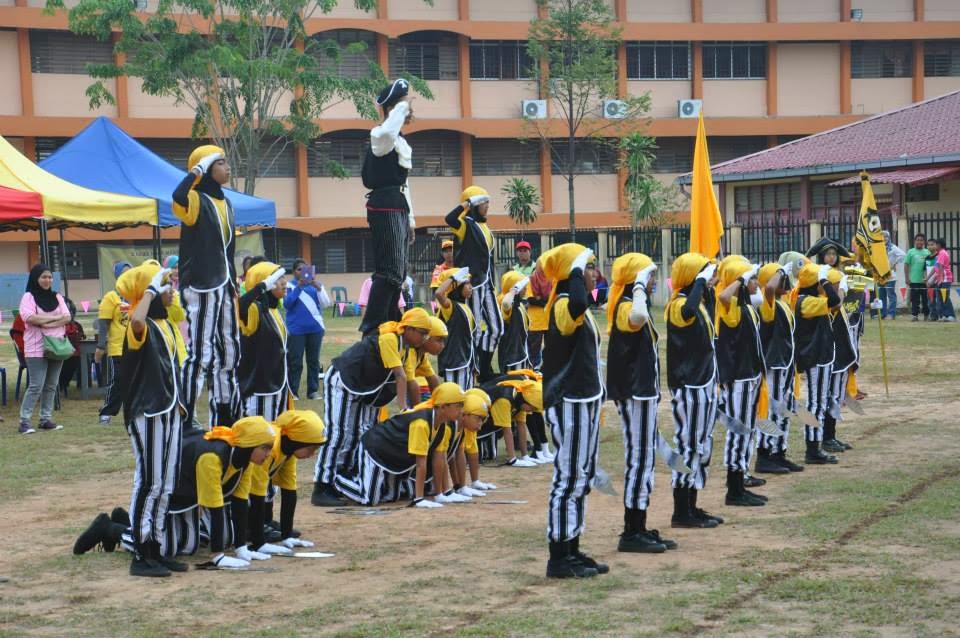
column 140, row 5
column 614, row 109
column 689, row 108
column 534, row 109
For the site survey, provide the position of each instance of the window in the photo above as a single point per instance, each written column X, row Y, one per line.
column 278, row 159
column 723, row 149
column 822, row 195
column 431, row 55
column 343, row 251
column 81, row 263
column 591, row 157
column 767, row 198
column 941, row 58
column 435, row 154
column 330, row 45
column 177, row 152
column 881, row 59
column 346, row 148
column 500, row 60
column 923, row 193
column 505, row 157
column 734, row 60
column 64, row 52
column 673, row 155
column 46, row 146
column 658, row 60
column 281, row 246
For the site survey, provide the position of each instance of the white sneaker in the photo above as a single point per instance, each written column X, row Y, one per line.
column 456, row 497
column 523, row 462
column 530, row 458
column 442, row 499
column 466, row 490
column 542, row 458
column 480, row 485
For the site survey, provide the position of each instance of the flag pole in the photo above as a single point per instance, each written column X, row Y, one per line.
column 883, row 346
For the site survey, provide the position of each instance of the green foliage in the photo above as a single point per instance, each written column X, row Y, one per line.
column 522, row 200
column 246, row 68
column 649, row 200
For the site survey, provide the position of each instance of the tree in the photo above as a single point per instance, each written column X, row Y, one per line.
column 253, row 78
column 648, row 199
column 576, row 43
column 522, row 200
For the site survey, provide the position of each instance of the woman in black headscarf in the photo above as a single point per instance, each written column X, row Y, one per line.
column 44, row 314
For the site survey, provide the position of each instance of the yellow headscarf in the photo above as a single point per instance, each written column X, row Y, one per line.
column 684, row 270
column 809, row 275
column 474, row 191
column 623, row 274
column 555, row 264
column 531, row 391
column 302, row 426
column 414, row 318
column 256, row 274
column 476, row 402
column 507, row 282
column 729, row 270
column 199, row 153
column 250, row 431
column 437, row 328
column 443, row 394
column 134, row 282
column 834, row 276
column 533, row 375
column 767, row 272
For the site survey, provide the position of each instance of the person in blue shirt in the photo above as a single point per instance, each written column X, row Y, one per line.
column 305, row 300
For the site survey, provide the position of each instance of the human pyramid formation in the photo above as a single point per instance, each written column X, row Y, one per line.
column 738, row 338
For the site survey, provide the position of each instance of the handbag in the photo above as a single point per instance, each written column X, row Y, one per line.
column 57, row 348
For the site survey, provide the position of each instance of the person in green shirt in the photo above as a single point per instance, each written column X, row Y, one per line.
column 525, row 264
column 914, row 270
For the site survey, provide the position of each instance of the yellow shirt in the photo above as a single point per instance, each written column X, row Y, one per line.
column 623, row 318
column 421, row 434
column 566, row 324
column 190, row 214
column 675, row 315
column 176, row 315
column 461, row 232
column 114, row 310
column 249, row 327
column 470, row 442
column 170, row 336
column 211, row 479
column 502, row 413
column 768, row 310
column 282, row 467
column 814, row 307
column 390, row 350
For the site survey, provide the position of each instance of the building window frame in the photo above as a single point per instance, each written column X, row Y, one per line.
column 659, row 60
column 941, row 58
column 881, row 60
column 500, row 60
column 734, row 60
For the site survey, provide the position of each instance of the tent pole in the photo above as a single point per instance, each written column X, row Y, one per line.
column 44, row 246
column 63, row 265
column 276, row 245
column 156, row 243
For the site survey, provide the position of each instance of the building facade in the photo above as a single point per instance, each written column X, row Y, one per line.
column 767, row 71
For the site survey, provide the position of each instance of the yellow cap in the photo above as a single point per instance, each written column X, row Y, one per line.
column 476, row 402
column 730, row 268
column 203, row 151
column 256, row 274
column 133, row 283
column 302, row 426
column 438, row 328
column 446, row 393
column 808, row 276
column 474, row 191
column 684, row 270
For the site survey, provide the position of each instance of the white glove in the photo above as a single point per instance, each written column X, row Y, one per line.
column 520, row 286
column 291, row 543
column 157, row 285
column 427, row 504
column 823, row 272
column 229, row 562
column 643, row 277
column 478, row 199
column 756, row 299
column 480, row 485
column 249, row 555
column 876, row 304
column 707, row 273
column 581, row 260
column 204, row 165
column 276, row 550
column 750, row 274
column 272, row 280
column 844, row 284
column 462, row 275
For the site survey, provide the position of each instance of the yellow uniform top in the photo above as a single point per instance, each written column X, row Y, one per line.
column 175, row 315
column 623, row 318
column 445, row 313
column 249, row 327
column 190, row 214
column 470, row 442
column 730, row 316
column 415, row 365
column 170, row 335
column 675, row 315
column 280, row 467
column 390, row 350
column 461, row 231
column 768, row 310
column 211, row 479
column 420, row 435
column 501, row 411
column 114, row 310
column 814, row 307
column 566, row 324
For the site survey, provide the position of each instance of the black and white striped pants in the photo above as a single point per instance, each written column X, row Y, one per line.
column 818, row 398
column 488, row 322
column 575, row 427
column 346, row 417
column 639, row 418
column 390, row 231
column 370, row 484
column 738, row 401
column 156, row 452
column 463, row 377
column 269, row 406
column 213, row 349
column 780, row 389
column 694, row 417
column 183, row 532
column 838, row 392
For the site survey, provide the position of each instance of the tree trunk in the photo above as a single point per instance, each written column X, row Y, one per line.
column 570, row 158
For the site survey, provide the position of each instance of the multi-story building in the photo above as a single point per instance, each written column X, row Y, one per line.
column 767, row 71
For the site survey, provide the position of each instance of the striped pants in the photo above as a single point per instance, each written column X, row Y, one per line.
column 694, row 417
column 639, row 417
column 780, row 387
column 488, row 320
column 818, row 398
column 738, row 401
column 390, row 230
column 838, row 392
column 346, row 417
column 156, row 452
column 213, row 350
column 370, row 484
column 183, row 533
column 463, row 377
column 576, row 434
column 269, row 406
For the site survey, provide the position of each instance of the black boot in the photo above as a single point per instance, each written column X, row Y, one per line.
column 683, row 516
column 753, row 481
column 767, row 464
column 635, row 537
column 563, row 564
column 142, row 565
column 225, row 415
column 485, row 365
column 170, row 563
column 736, row 495
column 781, row 458
column 325, row 495
column 602, row 568
column 100, row 532
column 816, row 456
column 830, row 442
column 701, row 513
column 120, row 516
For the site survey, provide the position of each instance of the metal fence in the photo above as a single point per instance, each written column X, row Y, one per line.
column 680, row 243
column 643, row 240
column 765, row 241
column 943, row 225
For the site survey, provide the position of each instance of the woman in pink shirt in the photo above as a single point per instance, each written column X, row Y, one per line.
column 44, row 314
column 944, row 280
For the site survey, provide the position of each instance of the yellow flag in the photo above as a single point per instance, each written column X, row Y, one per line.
column 871, row 249
column 706, row 225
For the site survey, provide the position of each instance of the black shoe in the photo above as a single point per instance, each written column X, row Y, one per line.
column 816, row 456
column 782, row 459
column 753, row 481
column 833, row 446
column 295, row 533
column 743, row 499
column 172, row 565
column 666, row 542
column 691, row 521
column 707, row 516
column 640, row 543
column 767, row 464
column 271, row 535
column 846, row 446
column 96, row 534
column 569, row 567
column 602, row 568
column 120, row 516
column 141, row 566
column 755, row 495
column 326, row 496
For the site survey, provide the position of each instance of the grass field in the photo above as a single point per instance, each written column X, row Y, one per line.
column 869, row 547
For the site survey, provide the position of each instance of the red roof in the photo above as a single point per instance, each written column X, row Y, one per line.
column 905, row 176
column 927, row 132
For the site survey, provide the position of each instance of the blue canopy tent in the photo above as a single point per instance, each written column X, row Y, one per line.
column 103, row 157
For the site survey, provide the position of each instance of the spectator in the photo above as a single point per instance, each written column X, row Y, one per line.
column 111, row 325
column 914, row 265
column 305, row 300
column 888, row 291
column 44, row 314
column 244, row 267
column 931, row 279
column 602, row 287
column 445, row 263
column 942, row 278
column 524, row 264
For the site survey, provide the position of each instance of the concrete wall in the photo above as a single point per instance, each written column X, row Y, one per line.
column 63, row 94
column 949, row 201
column 9, row 74
column 14, row 258
column 808, row 11
column 941, row 10
column 493, row 184
column 809, row 79
column 734, row 11
column 658, row 10
column 141, row 104
column 445, row 102
column 508, row 10
column 347, row 10
column 331, row 197
column 663, row 95
column 500, row 98
column 434, row 195
column 420, row 10
column 886, row 10
column 932, row 87
column 734, row 98
column 283, row 191
column 593, row 194
column 880, row 94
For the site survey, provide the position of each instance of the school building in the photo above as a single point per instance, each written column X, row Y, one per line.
column 765, row 72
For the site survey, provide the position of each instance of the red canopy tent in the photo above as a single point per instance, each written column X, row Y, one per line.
column 17, row 207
